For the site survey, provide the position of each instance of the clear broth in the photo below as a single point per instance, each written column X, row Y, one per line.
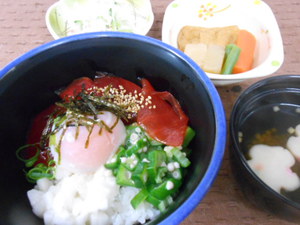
column 270, row 125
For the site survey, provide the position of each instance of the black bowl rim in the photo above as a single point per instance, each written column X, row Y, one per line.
column 233, row 134
column 220, row 120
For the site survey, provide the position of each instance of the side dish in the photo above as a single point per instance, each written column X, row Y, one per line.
column 110, row 152
column 220, row 50
column 69, row 17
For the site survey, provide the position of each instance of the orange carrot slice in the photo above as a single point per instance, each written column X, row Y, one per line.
column 246, row 41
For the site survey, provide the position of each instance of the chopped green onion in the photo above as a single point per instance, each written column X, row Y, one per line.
column 51, row 163
column 32, row 160
column 39, row 172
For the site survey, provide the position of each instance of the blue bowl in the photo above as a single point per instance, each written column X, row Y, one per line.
column 28, row 85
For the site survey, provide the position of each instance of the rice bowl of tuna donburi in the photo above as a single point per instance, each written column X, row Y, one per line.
column 99, row 138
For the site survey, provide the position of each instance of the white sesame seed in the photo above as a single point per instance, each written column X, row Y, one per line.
column 176, row 174
column 170, row 167
column 176, row 165
column 169, row 185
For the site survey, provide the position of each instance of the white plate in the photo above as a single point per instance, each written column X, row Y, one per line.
column 65, row 17
column 254, row 16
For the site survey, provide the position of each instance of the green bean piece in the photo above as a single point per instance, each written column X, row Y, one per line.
column 232, row 53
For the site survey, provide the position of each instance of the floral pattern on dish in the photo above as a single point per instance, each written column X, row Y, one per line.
column 209, row 10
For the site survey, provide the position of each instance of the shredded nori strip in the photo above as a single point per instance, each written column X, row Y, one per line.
column 81, row 110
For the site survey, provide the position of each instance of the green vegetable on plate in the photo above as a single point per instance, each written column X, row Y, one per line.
column 232, row 53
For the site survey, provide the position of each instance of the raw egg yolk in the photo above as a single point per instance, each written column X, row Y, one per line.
column 78, row 155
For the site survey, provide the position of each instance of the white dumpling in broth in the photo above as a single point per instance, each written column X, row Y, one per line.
column 272, row 164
